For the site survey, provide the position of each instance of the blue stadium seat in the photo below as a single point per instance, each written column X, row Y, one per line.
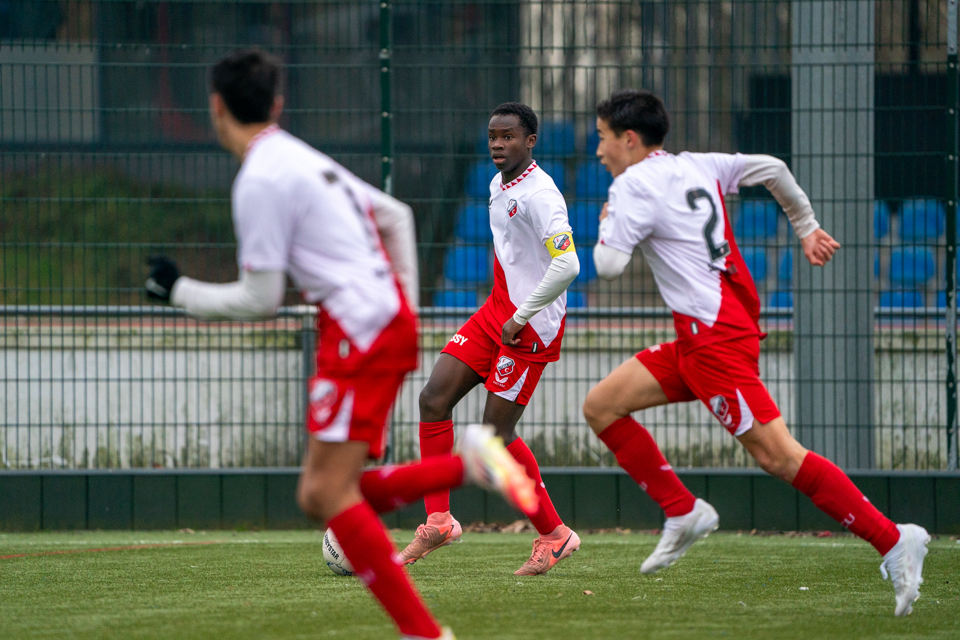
column 593, row 141
column 588, row 270
column 455, row 298
column 922, row 220
column 756, row 219
column 881, row 219
column 909, row 299
column 785, row 267
column 468, row 264
column 756, row 259
column 876, row 263
column 585, row 221
column 576, row 299
column 473, row 222
column 479, row 176
column 941, row 299
column 911, row 266
column 556, row 171
column 556, row 138
column 781, row 299
column 593, row 180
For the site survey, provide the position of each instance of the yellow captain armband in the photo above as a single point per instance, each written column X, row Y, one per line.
column 560, row 244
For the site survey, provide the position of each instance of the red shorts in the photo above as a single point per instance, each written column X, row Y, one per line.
column 506, row 375
column 725, row 376
column 350, row 400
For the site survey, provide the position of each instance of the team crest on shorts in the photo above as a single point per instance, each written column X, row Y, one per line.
column 505, row 367
column 512, row 208
column 721, row 409
column 323, row 399
column 561, row 242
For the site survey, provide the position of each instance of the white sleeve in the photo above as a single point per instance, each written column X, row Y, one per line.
column 609, row 261
column 629, row 217
column 548, row 213
column 264, row 225
column 776, row 177
column 256, row 296
column 562, row 271
column 726, row 167
column 394, row 221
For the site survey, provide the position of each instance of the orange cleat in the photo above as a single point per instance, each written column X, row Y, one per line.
column 547, row 552
column 429, row 538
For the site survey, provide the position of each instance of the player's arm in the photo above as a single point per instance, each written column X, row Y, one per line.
column 774, row 174
column 394, row 221
column 626, row 220
column 255, row 296
column 610, row 262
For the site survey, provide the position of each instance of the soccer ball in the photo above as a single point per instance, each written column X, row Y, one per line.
column 333, row 555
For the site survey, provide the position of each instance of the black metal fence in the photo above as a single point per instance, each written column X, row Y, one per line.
column 106, row 156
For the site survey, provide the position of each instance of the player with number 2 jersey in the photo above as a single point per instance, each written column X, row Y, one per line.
column 672, row 207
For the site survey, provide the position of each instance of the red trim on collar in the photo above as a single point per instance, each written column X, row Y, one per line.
column 516, row 181
column 658, row 152
column 269, row 131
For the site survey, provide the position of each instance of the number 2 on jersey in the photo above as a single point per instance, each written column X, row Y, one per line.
column 716, row 251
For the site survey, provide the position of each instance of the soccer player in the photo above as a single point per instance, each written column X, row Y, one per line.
column 509, row 340
column 298, row 212
column 672, row 207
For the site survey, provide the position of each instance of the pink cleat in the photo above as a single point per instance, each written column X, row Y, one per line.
column 547, row 552
column 431, row 537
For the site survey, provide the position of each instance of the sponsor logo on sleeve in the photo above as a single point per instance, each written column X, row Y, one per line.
column 512, row 208
column 721, row 408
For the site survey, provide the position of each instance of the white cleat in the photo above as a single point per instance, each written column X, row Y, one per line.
column 679, row 534
column 903, row 564
column 447, row 634
column 486, row 462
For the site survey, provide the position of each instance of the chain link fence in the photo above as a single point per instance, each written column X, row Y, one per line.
column 106, row 157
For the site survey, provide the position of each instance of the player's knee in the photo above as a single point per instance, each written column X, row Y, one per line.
column 776, row 465
column 434, row 406
column 595, row 411
column 308, row 499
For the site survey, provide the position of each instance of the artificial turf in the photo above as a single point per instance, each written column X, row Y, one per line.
column 275, row 585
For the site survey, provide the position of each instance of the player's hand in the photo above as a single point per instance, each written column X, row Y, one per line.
column 819, row 247
column 163, row 274
column 604, row 213
column 510, row 330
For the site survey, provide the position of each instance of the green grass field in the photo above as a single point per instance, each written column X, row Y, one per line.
column 275, row 585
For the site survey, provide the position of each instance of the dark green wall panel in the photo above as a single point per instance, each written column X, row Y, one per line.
column 199, row 501
column 595, row 501
column 244, row 501
column 913, row 500
column 110, row 502
column 637, row 509
column 948, row 505
column 812, row 519
column 695, row 481
column 411, row 516
column 560, row 488
column 498, row 510
column 64, row 502
column 732, row 497
column 283, row 512
column 468, row 504
column 774, row 505
column 154, row 502
column 21, row 501
column 876, row 489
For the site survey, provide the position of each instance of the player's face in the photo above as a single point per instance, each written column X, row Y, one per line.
column 509, row 145
column 613, row 150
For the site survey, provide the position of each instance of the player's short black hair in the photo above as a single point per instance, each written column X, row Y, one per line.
column 637, row 110
column 248, row 81
column 528, row 119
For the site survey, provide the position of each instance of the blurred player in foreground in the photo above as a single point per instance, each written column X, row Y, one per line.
column 508, row 342
column 672, row 207
column 298, row 212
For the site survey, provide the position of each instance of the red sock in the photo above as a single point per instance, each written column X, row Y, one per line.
column 546, row 518
column 393, row 486
column 639, row 455
column 366, row 545
column 836, row 495
column 436, row 439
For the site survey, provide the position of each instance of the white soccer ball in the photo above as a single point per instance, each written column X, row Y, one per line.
column 333, row 555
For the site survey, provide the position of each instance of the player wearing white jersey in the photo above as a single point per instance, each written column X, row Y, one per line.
column 673, row 208
column 507, row 343
column 350, row 249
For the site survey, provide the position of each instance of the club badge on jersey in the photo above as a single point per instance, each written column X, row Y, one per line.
column 512, row 208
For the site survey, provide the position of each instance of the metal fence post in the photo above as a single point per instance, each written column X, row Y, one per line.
column 386, row 138
column 953, row 149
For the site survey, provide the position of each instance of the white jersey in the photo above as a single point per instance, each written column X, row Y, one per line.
column 672, row 207
column 527, row 217
column 296, row 210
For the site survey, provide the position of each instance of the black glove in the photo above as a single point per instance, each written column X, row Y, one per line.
column 163, row 273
